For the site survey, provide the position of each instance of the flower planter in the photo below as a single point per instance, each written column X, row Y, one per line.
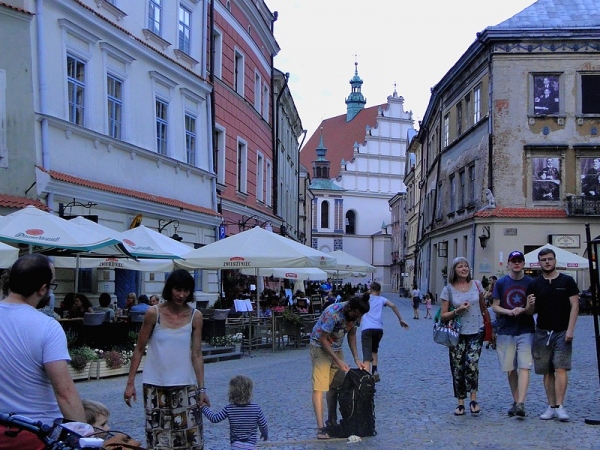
column 81, row 375
column 101, row 370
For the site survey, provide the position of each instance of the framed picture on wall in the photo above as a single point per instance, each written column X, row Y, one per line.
column 546, row 99
column 546, row 179
column 590, row 176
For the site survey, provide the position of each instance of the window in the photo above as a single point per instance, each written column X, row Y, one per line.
column 242, row 166
column 185, row 20
column 471, row 196
column 114, row 91
column 590, row 94
column 154, row 16
column 452, row 193
column 257, row 91
column 76, row 87
column 438, row 202
column 260, row 177
column 477, row 104
column 190, row 139
column 238, row 76
column 220, row 145
column 268, row 188
column 350, row 222
column 463, row 189
column 459, row 116
column 265, row 102
column 217, row 52
column 468, row 109
column 162, row 124
column 446, row 130
column 325, row 214
column 546, row 98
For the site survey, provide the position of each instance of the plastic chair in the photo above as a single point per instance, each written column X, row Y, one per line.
column 93, row 319
column 91, row 327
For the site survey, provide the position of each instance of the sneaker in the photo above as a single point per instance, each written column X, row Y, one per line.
column 561, row 414
column 550, row 413
column 520, row 410
column 513, row 410
column 376, row 376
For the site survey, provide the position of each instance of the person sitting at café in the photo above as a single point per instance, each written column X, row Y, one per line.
column 105, row 302
column 142, row 306
column 154, row 300
column 130, row 301
column 330, row 299
column 81, row 305
column 264, row 312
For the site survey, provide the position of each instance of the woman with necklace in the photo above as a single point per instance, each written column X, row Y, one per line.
column 462, row 297
column 174, row 369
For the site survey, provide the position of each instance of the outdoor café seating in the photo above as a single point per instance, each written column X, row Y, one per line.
column 91, row 327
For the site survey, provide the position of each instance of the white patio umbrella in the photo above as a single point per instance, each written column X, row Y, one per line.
column 297, row 274
column 110, row 262
column 35, row 227
column 348, row 263
column 8, row 255
column 564, row 259
column 144, row 242
column 256, row 248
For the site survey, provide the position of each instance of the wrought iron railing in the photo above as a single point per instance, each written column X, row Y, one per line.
column 579, row 205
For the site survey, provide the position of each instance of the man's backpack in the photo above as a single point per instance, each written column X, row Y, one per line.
column 357, row 404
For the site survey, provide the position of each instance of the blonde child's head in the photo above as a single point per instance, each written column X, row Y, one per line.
column 96, row 414
column 240, row 390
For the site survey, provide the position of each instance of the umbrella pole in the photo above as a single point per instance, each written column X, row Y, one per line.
column 77, row 273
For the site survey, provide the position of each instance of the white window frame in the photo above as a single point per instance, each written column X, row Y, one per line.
column 269, row 183
column 266, row 101
column 257, row 91
column 115, row 124
column 242, row 166
column 260, row 177
column 476, row 104
column 155, row 16
column 218, row 53
column 73, row 86
column 238, row 72
column 446, row 130
column 183, row 44
column 191, row 138
column 162, row 122
column 453, row 193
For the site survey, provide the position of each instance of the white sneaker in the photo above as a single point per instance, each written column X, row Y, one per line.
column 561, row 414
column 550, row 413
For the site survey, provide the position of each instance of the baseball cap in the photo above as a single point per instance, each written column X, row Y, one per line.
column 516, row 255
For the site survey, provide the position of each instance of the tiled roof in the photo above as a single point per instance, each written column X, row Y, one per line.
column 523, row 213
column 12, row 201
column 325, row 185
column 339, row 137
column 15, row 8
column 555, row 14
column 130, row 193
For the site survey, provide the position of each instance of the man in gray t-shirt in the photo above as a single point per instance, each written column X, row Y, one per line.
column 515, row 329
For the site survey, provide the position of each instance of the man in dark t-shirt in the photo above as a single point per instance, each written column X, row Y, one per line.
column 557, row 306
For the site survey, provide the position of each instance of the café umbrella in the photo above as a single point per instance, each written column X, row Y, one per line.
column 143, row 242
column 8, row 255
column 348, row 263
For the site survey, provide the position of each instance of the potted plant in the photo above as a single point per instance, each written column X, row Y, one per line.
column 81, row 359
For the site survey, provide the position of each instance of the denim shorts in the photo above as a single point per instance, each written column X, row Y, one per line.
column 551, row 352
column 514, row 352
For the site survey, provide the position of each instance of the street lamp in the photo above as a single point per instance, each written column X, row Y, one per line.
column 163, row 223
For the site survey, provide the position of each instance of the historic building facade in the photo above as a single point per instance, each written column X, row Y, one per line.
column 509, row 144
column 359, row 166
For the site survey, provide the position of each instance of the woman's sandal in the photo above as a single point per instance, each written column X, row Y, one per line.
column 460, row 410
column 322, row 434
column 475, row 409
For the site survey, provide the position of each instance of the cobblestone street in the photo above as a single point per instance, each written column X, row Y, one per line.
column 413, row 404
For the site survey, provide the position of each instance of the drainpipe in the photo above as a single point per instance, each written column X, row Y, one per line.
column 211, row 79
column 286, row 77
column 42, row 88
column 298, row 182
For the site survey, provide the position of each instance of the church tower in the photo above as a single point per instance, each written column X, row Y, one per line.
column 355, row 101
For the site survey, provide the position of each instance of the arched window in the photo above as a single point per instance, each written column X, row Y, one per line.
column 350, row 222
column 325, row 214
column 318, row 172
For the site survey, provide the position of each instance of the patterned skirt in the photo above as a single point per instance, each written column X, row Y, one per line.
column 173, row 419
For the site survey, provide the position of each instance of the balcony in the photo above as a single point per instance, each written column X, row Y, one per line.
column 579, row 205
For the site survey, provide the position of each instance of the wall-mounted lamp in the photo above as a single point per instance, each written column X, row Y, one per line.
column 163, row 223
column 484, row 236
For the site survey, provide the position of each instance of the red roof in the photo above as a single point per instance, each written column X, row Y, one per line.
column 15, row 8
column 130, row 193
column 12, row 201
column 339, row 137
column 523, row 213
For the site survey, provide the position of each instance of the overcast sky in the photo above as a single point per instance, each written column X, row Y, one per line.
column 412, row 43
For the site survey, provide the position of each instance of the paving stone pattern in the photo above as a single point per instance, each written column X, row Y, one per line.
column 413, row 404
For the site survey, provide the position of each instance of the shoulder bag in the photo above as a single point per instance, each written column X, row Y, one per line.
column 446, row 332
column 487, row 322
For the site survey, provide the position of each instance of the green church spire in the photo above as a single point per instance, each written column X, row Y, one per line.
column 355, row 101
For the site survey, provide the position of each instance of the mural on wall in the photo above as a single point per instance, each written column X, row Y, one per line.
column 546, row 179
column 545, row 94
column 590, row 176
